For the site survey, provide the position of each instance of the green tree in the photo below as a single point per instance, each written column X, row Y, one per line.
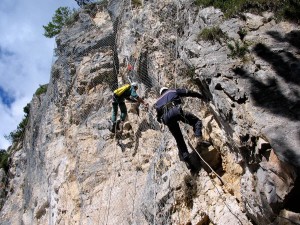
column 41, row 90
column 60, row 18
column 4, row 160
column 18, row 134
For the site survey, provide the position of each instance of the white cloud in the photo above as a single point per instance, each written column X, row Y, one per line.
column 25, row 55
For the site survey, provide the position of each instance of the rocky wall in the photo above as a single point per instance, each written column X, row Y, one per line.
column 73, row 170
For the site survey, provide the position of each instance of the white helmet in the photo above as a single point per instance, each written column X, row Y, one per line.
column 134, row 84
column 162, row 90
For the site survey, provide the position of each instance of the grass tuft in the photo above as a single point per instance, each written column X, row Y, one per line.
column 212, row 34
column 287, row 9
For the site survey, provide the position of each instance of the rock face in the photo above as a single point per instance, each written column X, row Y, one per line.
column 73, row 170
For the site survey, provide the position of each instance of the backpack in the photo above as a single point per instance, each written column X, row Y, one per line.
column 118, row 92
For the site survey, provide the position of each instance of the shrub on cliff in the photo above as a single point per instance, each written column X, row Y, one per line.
column 288, row 9
column 212, row 34
column 18, row 134
column 41, row 90
column 62, row 16
column 238, row 49
column 4, row 160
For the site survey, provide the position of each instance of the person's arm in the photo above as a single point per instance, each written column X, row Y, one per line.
column 158, row 114
column 189, row 93
column 138, row 98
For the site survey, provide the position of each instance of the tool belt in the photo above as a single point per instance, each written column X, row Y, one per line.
column 170, row 111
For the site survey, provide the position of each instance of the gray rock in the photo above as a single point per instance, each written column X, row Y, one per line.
column 70, row 169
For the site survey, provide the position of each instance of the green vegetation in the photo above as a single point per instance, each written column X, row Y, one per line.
column 136, row 2
column 63, row 16
column 212, row 34
column 191, row 72
column 242, row 33
column 42, row 89
column 286, row 9
column 238, row 49
column 18, row 134
column 4, row 160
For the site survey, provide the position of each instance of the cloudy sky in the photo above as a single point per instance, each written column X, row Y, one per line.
column 25, row 56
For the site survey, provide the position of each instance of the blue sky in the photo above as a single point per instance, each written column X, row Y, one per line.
column 25, row 56
column 5, row 98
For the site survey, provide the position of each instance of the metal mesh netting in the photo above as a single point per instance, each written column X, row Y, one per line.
column 112, row 67
column 89, row 175
column 108, row 45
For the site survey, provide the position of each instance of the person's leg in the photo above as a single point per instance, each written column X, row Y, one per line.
column 114, row 112
column 123, row 109
column 193, row 121
column 177, row 134
column 196, row 123
column 184, row 155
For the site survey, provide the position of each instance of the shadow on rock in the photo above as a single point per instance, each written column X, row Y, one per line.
column 269, row 96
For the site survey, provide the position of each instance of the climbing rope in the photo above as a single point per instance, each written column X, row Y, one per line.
column 217, row 175
column 157, row 161
column 189, row 142
column 224, row 200
column 114, row 178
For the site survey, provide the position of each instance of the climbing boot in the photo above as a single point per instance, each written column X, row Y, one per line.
column 198, row 142
column 112, row 127
column 188, row 163
column 204, row 144
column 121, row 123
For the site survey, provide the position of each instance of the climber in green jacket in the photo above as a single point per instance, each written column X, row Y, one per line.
column 125, row 92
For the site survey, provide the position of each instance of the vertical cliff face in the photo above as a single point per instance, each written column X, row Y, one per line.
column 73, row 170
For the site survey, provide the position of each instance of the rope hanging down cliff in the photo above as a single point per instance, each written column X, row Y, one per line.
column 137, row 53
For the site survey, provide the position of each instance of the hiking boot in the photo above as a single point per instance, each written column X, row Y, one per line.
column 188, row 162
column 204, row 144
column 121, row 123
column 112, row 127
column 198, row 142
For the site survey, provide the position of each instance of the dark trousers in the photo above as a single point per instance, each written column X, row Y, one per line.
column 123, row 110
column 188, row 118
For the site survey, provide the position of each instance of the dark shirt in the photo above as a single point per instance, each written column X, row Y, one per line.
column 174, row 96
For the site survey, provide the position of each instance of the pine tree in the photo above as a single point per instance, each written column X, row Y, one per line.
column 62, row 14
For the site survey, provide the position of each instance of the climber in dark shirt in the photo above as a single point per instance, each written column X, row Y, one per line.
column 169, row 112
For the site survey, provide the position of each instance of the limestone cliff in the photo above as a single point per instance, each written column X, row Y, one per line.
column 72, row 170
